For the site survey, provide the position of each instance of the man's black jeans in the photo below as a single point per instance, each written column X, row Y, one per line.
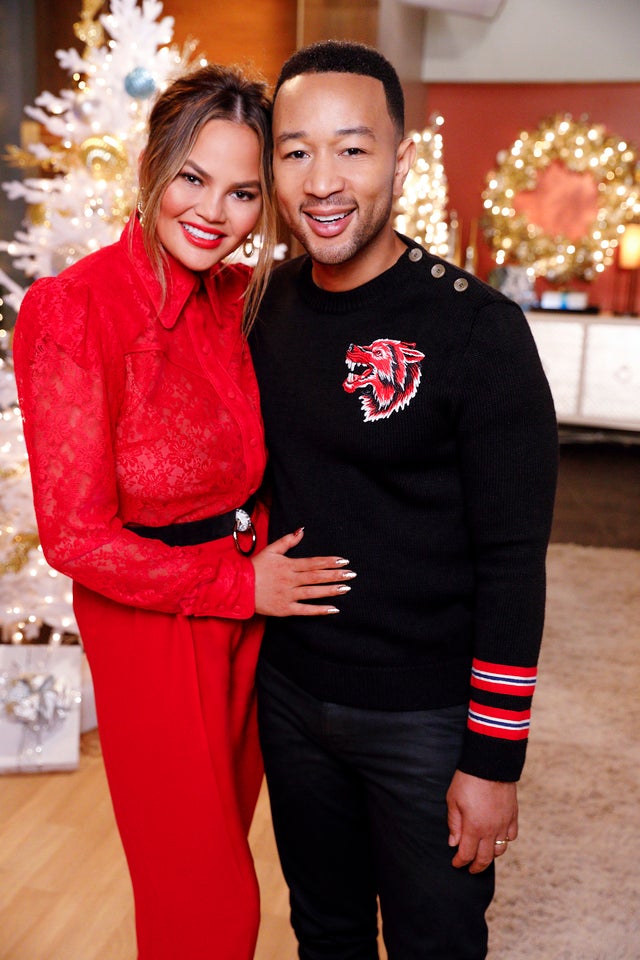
column 359, row 812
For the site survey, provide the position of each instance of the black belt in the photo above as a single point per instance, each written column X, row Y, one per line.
column 193, row 532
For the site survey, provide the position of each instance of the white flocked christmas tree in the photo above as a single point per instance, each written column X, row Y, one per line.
column 92, row 135
column 90, row 138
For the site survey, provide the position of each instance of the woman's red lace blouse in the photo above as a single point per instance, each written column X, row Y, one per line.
column 135, row 412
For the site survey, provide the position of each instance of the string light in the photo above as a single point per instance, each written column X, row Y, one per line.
column 421, row 210
column 608, row 167
column 31, row 592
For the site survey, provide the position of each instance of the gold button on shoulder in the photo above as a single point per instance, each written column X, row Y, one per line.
column 437, row 270
column 461, row 284
column 415, row 254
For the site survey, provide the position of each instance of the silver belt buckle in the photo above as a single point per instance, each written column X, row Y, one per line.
column 243, row 524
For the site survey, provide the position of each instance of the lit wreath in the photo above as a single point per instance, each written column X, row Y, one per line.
column 604, row 171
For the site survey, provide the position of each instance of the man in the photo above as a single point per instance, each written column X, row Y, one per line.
column 410, row 429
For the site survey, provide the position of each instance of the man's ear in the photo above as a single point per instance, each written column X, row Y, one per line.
column 405, row 158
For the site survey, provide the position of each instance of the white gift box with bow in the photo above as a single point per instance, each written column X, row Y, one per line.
column 40, row 697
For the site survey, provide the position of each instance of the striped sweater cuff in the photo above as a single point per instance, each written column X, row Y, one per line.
column 488, row 713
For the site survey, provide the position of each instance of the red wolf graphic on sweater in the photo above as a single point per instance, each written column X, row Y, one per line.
column 388, row 371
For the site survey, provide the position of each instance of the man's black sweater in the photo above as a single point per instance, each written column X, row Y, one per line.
column 411, row 430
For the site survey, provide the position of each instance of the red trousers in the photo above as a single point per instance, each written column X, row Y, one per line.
column 176, row 713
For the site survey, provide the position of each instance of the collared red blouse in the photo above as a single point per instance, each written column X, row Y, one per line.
column 139, row 410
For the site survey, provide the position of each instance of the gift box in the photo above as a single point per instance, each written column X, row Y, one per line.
column 40, row 700
column 88, row 716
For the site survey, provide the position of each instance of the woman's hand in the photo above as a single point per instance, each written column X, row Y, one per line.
column 283, row 582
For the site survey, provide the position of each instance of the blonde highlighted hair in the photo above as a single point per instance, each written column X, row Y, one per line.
column 212, row 92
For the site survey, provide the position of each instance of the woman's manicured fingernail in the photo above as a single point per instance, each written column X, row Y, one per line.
column 341, row 562
column 343, row 588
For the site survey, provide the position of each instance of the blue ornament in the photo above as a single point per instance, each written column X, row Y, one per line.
column 139, row 83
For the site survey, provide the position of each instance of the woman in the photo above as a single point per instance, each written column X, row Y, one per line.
column 144, row 435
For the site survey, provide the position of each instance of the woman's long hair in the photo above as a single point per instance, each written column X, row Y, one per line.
column 212, row 92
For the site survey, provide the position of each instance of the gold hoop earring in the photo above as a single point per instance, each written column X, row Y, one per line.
column 247, row 247
column 140, row 204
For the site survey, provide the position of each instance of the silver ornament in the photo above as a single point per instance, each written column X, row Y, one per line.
column 139, row 83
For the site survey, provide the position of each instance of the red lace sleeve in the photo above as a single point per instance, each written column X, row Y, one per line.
column 70, row 376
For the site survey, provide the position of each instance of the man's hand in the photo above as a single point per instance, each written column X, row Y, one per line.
column 480, row 812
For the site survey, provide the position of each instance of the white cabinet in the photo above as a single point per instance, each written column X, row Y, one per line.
column 592, row 362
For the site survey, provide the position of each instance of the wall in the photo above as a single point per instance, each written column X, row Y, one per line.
column 17, row 87
column 484, row 118
column 535, row 40
column 53, row 30
column 225, row 32
column 262, row 33
column 341, row 20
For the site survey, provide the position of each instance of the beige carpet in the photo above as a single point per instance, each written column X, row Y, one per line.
column 569, row 888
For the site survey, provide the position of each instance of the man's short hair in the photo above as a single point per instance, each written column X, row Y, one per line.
column 345, row 56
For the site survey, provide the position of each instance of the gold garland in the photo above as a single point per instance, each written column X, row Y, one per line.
column 581, row 147
column 13, row 470
column 88, row 29
column 21, row 546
